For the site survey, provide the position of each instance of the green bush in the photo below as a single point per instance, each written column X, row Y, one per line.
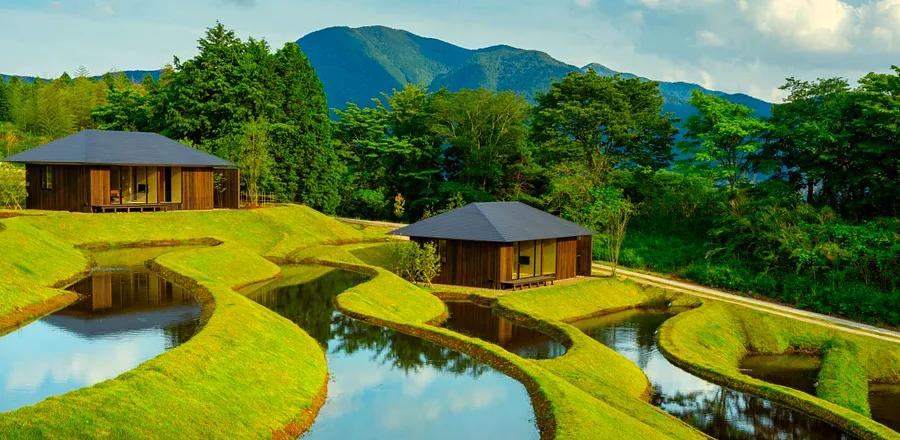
column 416, row 263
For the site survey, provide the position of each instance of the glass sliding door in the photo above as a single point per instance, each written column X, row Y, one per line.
column 534, row 258
column 115, row 186
column 548, row 257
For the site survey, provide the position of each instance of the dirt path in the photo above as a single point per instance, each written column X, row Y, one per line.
column 776, row 309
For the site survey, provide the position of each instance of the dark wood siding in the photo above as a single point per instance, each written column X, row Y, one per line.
column 566, row 253
column 70, row 191
column 197, row 188
column 230, row 197
column 585, row 256
column 468, row 263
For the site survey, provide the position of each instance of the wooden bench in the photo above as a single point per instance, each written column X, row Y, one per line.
column 522, row 283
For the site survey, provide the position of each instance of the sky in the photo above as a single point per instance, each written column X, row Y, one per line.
column 747, row 46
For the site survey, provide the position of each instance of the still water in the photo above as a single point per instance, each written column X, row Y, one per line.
column 124, row 317
column 718, row 411
column 481, row 322
column 797, row 371
column 384, row 384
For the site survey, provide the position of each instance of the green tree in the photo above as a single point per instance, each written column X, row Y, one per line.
column 723, row 137
column 254, row 159
column 485, row 136
column 4, row 102
column 604, row 121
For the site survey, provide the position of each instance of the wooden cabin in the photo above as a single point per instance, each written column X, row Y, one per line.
column 504, row 245
column 119, row 171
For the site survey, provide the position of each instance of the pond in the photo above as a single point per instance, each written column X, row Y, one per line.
column 794, row 370
column 384, row 384
column 718, row 411
column 884, row 402
column 482, row 322
column 125, row 316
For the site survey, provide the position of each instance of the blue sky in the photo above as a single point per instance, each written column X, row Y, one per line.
column 733, row 45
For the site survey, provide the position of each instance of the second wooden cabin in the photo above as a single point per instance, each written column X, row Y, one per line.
column 504, row 245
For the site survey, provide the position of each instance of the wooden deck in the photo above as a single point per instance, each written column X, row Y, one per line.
column 133, row 207
column 522, row 283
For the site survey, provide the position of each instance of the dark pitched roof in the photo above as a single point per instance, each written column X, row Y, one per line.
column 101, row 147
column 503, row 222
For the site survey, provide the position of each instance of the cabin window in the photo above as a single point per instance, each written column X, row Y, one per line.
column 47, row 177
column 442, row 250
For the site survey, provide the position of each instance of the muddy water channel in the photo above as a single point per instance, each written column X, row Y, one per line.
column 384, row 384
column 718, row 411
column 125, row 315
column 482, row 322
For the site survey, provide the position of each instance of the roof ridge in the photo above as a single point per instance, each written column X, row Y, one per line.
column 477, row 207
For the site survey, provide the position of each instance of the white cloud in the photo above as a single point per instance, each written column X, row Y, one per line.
column 710, row 39
column 584, row 3
column 815, row 25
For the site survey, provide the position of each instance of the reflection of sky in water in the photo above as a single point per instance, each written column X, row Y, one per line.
column 374, row 400
column 126, row 316
column 387, row 385
column 41, row 360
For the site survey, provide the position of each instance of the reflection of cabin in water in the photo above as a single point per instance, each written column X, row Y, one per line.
column 504, row 244
column 118, row 171
column 117, row 291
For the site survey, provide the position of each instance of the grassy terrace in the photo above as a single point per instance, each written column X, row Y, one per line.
column 250, row 373
column 711, row 341
column 591, row 392
column 247, row 373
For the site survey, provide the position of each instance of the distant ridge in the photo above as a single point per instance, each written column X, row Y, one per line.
column 358, row 64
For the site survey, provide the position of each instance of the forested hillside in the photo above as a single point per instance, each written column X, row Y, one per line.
column 801, row 206
column 356, row 64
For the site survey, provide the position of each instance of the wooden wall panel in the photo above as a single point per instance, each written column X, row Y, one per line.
column 99, row 186
column 197, row 188
column 469, row 263
column 70, row 192
column 566, row 255
column 506, row 261
column 585, row 256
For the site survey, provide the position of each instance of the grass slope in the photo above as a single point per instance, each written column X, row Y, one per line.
column 711, row 341
column 247, row 374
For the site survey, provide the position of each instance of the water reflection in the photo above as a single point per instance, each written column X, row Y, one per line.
column 718, row 411
column 124, row 317
column 884, row 401
column 482, row 322
column 384, row 384
column 797, row 371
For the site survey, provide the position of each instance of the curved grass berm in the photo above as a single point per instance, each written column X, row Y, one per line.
column 247, row 374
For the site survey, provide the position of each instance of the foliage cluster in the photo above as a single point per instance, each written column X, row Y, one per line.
column 416, row 262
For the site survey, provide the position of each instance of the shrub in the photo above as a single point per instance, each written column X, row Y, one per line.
column 12, row 186
column 416, row 263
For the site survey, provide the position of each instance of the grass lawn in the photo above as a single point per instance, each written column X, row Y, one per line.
column 247, row 374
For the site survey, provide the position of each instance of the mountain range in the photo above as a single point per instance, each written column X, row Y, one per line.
column 358, row 64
